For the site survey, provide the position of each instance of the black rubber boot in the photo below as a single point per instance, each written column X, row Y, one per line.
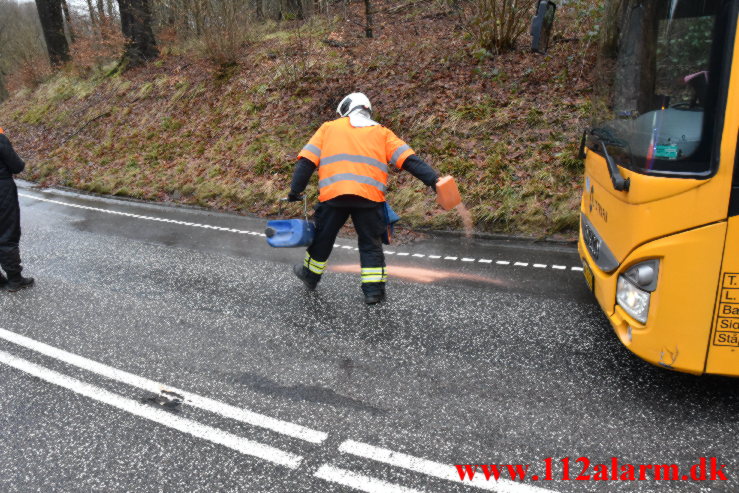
column 309, row 279
column 374, row 295
column 18, row 282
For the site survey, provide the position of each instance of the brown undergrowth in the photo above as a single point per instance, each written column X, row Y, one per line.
column 225, row 136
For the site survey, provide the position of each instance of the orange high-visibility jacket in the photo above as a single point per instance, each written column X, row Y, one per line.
column 354, row 160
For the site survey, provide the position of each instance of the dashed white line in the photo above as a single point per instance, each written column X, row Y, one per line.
column 430, row 468
column 485, row 261
column 198, row 430
column 359, row 481
column 226, row 410
column 257, row 233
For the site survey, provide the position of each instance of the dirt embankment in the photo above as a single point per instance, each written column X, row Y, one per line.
column 225, row 137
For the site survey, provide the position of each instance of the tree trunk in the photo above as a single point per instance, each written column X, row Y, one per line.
column 259, row 10
column 101, row 11
column 111, row 10
column 368, row 15
column 68, row 22
column 636, row 64
column 136, row 26
column 91, row 9
column 3, row 89
column 52, row 23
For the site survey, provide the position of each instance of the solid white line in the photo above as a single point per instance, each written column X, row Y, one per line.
column 198, row 430
column 226, row 410
column 435, row 469
column 359, row 481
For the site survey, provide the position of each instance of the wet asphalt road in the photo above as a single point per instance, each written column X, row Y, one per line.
column 471, row 360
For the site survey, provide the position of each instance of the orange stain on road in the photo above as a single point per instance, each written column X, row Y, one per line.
column 418, row 274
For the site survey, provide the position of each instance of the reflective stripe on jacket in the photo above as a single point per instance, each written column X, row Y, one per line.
column 354, row 160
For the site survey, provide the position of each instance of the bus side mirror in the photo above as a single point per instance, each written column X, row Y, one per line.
column 541, row 26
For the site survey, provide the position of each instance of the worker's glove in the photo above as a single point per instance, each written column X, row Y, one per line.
column 294, row 197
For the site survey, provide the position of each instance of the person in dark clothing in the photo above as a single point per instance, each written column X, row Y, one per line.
column 352, row 155
column 10, row 219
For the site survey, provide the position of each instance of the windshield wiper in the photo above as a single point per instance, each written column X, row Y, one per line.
column 605, row 138
column 619, row 182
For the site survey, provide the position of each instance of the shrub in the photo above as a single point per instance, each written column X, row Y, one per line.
column 496, row 25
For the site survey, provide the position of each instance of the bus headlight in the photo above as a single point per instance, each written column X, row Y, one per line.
column 632, row 299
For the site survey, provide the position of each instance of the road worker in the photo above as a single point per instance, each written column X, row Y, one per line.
column 10, row 219
column 352, row 155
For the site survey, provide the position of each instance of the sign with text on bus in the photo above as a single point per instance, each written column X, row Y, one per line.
column 726, row 329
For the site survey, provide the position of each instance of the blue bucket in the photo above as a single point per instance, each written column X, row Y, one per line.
column 288, row 233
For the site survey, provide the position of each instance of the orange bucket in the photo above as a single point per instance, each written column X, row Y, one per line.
column 447, row 193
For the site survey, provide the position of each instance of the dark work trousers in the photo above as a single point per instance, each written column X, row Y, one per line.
column 369, row 222
column 10, row 228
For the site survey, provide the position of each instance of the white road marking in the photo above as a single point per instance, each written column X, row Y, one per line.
column 559, row 267
column 359, row 481
column 257, row 233
column 485, row 261
column 540, row 266
column 226, row 410
column 434, row 469
column 502, row 262
column 576, row 268
column 198, row 430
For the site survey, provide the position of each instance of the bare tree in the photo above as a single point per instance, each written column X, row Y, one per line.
column 368, row 17
column 69, row 30
column 52, row 23
column 136, row 25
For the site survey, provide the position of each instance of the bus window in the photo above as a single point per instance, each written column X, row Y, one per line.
column 655, row 107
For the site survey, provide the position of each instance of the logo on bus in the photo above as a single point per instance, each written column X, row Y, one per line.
column 594, row 204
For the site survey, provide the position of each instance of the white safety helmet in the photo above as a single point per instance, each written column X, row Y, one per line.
column 353, row 101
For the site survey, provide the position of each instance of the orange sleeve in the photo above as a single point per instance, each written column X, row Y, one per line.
column 396, row 150
column 312, row 150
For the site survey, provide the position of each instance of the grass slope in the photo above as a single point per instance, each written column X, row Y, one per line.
column 225, row 137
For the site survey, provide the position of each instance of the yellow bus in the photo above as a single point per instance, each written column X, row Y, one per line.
column 659, row 223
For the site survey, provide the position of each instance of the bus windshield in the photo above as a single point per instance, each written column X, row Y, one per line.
column 657, row 87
